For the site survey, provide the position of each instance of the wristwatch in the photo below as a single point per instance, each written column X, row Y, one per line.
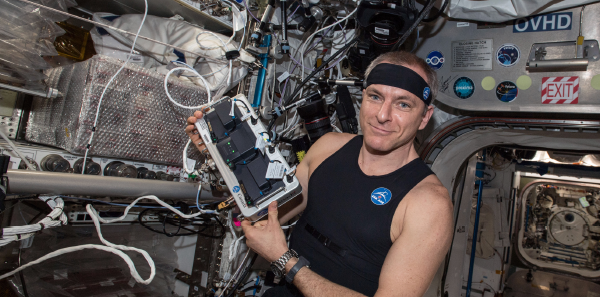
column 289, row 278
column 278, row 266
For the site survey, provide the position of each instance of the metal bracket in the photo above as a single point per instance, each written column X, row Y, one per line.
column 561, row 56
column 182, row 276
column 206, row 265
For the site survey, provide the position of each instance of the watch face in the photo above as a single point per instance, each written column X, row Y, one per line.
column 276, row 270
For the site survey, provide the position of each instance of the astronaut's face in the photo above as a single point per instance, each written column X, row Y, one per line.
column 390, row 117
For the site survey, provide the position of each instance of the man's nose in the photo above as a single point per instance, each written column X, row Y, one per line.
column 385, row 112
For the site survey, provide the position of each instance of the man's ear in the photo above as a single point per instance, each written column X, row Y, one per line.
column 426, row 117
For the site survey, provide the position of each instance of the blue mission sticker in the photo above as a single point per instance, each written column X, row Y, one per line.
column 508, row 55
column 464, row 87
column 507, row 91
column 435, row 60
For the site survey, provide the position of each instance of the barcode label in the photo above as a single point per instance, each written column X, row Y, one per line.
column 203, row 129
column 275, row 171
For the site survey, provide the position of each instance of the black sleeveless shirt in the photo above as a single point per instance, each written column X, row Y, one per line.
column 345, row 230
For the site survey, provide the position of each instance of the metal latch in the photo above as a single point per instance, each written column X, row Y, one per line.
column 561, row 56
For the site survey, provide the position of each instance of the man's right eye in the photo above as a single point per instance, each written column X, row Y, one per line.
column 374, row 97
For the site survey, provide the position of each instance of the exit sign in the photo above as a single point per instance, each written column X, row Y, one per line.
column 560, row 90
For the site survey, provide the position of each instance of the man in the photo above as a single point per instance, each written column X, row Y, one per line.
column 376, row 220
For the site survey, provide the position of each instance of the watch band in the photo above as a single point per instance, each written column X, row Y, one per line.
column 289, row 278
column 278, row 266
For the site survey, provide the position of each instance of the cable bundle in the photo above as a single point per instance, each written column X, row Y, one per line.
column 56, row 218
column 57, row 204
column 168, row 218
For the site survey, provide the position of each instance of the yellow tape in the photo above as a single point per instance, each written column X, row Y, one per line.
column 300, row 155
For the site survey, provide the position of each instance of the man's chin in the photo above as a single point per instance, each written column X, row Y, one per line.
column 378, row 145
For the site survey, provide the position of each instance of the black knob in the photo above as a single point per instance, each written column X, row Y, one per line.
column 120, row 169
column 91, row 167
column 55, row 163
column 111, row 168
column 164, row 176
column 144, row 173
column 126, row 170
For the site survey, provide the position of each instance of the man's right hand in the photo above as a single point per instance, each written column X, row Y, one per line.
column 193, row 133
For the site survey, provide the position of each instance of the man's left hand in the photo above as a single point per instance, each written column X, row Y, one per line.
column 266, row 237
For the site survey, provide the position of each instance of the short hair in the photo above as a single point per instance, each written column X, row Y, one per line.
column 404, row 58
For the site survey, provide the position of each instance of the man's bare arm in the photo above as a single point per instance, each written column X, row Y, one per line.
column 312, row 285
column 417, row 253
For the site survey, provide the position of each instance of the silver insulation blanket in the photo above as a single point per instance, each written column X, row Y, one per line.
column 137, row 121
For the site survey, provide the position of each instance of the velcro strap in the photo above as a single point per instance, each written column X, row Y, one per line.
column 325, row 241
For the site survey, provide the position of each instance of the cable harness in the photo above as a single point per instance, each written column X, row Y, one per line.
column 58, row 218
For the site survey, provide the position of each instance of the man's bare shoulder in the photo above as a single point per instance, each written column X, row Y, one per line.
column 328, row 144
column 430, row 198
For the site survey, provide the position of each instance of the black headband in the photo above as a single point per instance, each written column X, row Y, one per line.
column 400, row 77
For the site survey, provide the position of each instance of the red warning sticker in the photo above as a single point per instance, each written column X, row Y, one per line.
column 560, row 90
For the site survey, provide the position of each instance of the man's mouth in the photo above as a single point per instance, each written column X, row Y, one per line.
column 380, row 130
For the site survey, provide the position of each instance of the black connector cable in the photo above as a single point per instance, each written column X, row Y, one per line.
column 421, row 16
column 179, row 222
column 289, row 99
column 247, row 108
column 254, row 120
column 243, row 275
column 438, row 13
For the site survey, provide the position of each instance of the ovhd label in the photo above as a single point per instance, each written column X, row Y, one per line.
column 547, row 22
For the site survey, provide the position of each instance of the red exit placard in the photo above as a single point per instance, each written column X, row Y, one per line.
column 560, row 90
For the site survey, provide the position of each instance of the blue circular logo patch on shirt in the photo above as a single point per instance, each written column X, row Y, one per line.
column 236, row 189
column 381, row 196
column 426, row 93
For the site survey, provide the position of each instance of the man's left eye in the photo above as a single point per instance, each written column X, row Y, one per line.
column 404, row 105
